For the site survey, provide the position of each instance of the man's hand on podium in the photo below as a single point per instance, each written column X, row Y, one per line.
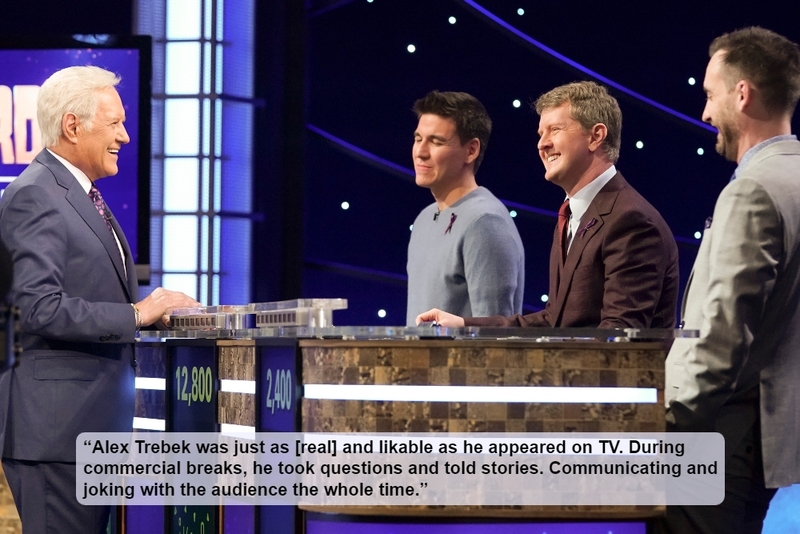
column 441, row 318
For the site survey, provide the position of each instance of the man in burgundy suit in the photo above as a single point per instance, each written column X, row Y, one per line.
column 614, row 261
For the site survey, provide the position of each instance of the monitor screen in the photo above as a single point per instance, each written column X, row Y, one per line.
column 25, row 63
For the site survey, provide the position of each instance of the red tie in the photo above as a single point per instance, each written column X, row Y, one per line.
column 563, row 226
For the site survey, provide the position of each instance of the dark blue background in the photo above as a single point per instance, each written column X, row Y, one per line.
column 362, row 82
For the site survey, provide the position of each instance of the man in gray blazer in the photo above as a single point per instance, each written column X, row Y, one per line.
column 742, row 376
column 75, row 285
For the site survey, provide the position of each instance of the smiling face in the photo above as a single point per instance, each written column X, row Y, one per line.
column 98, row 145
column 720, row 108
column 564, row 147
column 441, row 161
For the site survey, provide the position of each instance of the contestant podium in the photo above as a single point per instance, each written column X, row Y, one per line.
column 625, row 378
column 259, row 376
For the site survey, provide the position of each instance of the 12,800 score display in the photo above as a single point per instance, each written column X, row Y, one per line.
column 197, row 389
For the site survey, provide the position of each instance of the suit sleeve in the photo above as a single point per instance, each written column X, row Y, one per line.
column 636, row 257
column 746, row 251
column 36, row 233
column 539, row 318
column 494, row 265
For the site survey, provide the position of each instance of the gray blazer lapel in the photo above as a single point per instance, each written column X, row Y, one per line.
column 132, row 284
column 685, row 297
column 82, row 204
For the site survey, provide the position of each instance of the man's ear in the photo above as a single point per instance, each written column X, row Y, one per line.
column 473, row 150
column 69, row 127
column 597, row 136
column 744, row 93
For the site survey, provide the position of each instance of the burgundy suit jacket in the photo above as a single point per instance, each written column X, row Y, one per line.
column 621, row 270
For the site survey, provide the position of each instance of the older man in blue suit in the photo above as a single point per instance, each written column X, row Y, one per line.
column 75, row 284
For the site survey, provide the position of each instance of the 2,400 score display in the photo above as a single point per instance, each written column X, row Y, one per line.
column 200, row 389
column 280, row 396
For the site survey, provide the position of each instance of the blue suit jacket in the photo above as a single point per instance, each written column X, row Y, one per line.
column 76, row 372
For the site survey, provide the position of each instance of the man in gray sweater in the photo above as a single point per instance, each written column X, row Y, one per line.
column 465, row 255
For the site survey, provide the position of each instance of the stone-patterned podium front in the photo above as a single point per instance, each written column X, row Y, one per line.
column 499, row 363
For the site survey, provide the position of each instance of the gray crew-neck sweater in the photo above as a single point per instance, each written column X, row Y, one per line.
column 467, row 259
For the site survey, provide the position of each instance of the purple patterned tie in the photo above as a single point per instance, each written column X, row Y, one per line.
column 100, row 206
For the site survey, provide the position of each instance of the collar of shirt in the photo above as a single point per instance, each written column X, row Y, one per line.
column 753, row 150
column 79, row 175
column 579, row 202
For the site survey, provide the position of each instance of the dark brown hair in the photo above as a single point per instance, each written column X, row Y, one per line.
column 470, row 117
column 769, row 61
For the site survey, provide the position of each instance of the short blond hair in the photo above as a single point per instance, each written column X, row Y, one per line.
column 589, row 104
